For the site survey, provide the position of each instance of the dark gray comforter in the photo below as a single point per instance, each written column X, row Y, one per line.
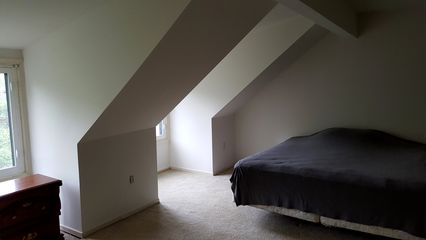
column 362, row 176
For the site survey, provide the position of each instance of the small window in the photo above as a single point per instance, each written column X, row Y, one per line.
column 11, row 153
column 161, row 129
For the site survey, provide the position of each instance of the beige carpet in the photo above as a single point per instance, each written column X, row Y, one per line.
column 200, row 206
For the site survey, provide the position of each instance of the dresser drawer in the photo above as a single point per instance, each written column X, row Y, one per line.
column 30, row 208
column 45, row 229
column 27, row 209
column 37, row 193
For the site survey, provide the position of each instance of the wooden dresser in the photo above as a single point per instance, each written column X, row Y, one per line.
column 30, row 208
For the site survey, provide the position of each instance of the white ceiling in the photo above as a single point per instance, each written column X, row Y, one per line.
column 386, row 5
column 23, row 22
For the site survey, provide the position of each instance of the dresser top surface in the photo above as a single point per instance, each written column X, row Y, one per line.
column 25, row 183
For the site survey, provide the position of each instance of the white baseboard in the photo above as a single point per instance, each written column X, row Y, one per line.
column 223, row 170
column 71, row 231
column 106, row 224
column 117, row 219
column 163, row 170
column 190, row 170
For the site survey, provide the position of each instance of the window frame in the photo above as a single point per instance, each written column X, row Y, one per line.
column 15, row 112
column 166, row 130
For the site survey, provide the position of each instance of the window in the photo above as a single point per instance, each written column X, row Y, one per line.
column 160, row 129
column 11, row 152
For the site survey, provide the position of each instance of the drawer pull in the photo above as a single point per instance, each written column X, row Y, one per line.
column 43, row 208
column 14, row 218
column 30, row 236
column 27, row 204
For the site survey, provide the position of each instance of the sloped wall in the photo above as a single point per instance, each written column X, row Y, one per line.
column 191, row 121
column 74, row 73
column 200, row 38
column 376, row 81
column 223, row 123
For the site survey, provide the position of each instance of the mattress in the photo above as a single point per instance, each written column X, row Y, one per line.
column 361, row 176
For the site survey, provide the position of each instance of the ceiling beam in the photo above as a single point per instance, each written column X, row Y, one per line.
column 334, row 15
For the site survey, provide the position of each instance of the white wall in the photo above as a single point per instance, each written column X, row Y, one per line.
column 202, row 36
column 79, row 79
column 191, row 120
column 122, row 156
column 223, row 123
column 163, row 156
column 75, row 72
column 171, row 70
column 376, row 81
column 163, row 149
column 223, row 142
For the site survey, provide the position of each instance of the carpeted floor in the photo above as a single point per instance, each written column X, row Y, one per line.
column 200, row 206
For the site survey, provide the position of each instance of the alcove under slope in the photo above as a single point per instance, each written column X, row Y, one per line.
column 201, row 135
column 122, row 140
column 223, row 123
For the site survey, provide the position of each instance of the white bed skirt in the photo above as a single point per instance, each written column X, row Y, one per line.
column 311, row 217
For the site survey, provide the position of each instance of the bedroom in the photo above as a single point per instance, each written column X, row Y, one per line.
column 65, row 107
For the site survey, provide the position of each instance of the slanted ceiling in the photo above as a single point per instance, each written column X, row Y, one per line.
column 205, row 32
column 201, row 37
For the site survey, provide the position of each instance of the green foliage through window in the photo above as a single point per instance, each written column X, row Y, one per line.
column 6, row 153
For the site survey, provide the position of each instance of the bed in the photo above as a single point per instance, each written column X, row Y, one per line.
column 364, row 180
